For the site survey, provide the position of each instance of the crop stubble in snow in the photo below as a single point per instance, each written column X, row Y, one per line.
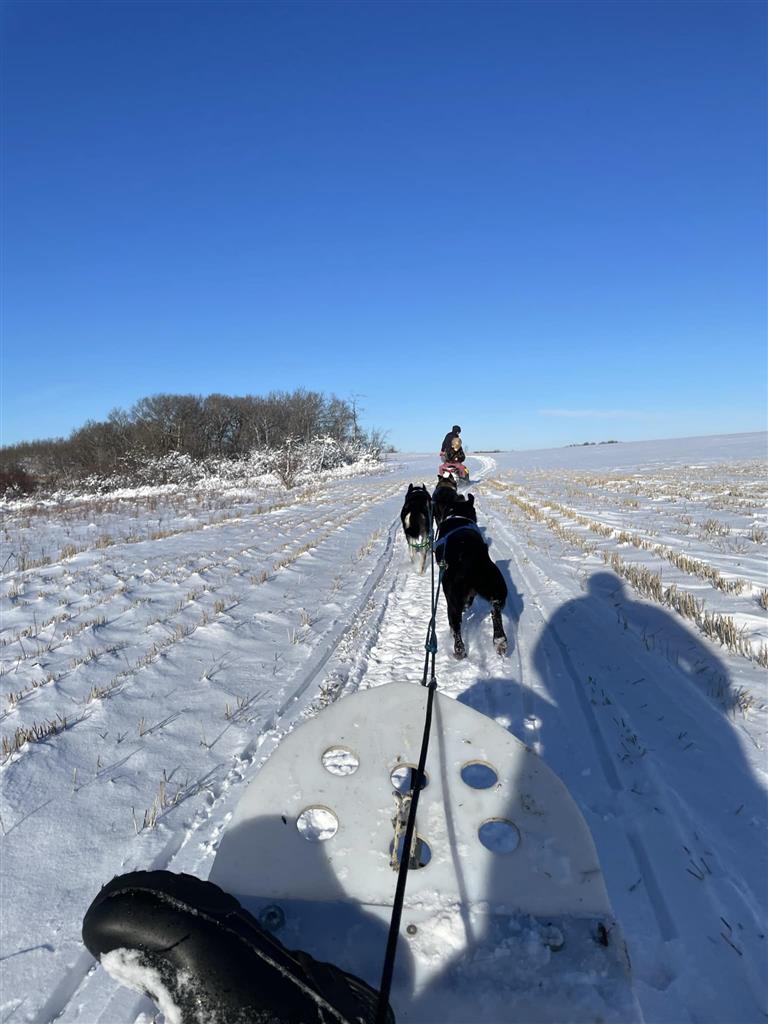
column 160, row 635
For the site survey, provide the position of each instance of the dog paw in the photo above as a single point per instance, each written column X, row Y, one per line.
column 459, row 651
column 501, row 645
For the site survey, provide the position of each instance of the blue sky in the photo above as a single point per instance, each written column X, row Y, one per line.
column 543, row 221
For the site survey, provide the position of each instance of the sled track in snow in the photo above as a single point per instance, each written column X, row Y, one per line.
column 381, row 640
column 88, row 995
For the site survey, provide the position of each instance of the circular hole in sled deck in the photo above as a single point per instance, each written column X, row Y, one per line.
column 479, row 775
column 421, row 856
column 340, row 761
column 499, row 835
column 317, row 824
column 403, row 776
column 272, row 918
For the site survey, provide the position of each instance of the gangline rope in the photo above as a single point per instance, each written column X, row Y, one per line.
column 417, row 782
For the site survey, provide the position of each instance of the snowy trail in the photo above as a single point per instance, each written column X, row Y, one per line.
column 210, row 644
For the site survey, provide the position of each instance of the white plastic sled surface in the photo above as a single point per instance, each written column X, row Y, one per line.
column 506, row 918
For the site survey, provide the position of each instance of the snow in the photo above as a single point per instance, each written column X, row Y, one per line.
column 128, row 968
column 157, row 646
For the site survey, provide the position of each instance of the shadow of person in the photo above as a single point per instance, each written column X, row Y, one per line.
column 606, row 605
column 204, row 950
column 288, row 885
column 511, row 705
column 662, row 631
column 498, row 960
column 641, row 731
column 515, row 604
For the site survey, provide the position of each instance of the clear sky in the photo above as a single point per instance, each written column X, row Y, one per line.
column 543, row 221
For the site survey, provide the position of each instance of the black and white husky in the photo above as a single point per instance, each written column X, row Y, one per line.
column 415, row 516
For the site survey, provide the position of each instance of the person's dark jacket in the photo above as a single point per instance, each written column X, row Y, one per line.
column 446, row 446
column 455, row 455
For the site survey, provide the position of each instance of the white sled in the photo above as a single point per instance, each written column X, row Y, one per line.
column 508, row 919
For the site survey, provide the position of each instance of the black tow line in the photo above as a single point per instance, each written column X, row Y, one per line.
column 417, row 780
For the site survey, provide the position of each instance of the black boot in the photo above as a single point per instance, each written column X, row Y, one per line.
column 187, row 944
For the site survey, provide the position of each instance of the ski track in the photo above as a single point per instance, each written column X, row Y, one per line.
column 570, row 708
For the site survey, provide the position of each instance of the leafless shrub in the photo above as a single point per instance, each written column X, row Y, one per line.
column 288, row 463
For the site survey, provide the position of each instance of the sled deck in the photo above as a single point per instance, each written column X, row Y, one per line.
column 457, row 469
column 506, row 915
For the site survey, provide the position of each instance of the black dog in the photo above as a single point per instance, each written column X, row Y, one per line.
column 415, row 516
column 443, row 496
column 468, row 570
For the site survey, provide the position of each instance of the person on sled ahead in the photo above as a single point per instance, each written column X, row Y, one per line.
column 455, row 453
column 445, row 447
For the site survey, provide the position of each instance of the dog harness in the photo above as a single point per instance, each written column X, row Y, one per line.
column 467, row 524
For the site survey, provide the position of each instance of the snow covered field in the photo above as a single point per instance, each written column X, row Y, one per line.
column 156, row 646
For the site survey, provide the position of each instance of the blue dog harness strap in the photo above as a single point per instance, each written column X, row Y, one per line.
column 467, row 524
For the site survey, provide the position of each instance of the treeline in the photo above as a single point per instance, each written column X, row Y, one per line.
column 199, row 429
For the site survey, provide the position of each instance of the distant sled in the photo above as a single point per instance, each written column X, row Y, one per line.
column 506, row 914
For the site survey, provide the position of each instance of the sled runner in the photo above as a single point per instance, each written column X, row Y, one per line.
column 506, row 915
